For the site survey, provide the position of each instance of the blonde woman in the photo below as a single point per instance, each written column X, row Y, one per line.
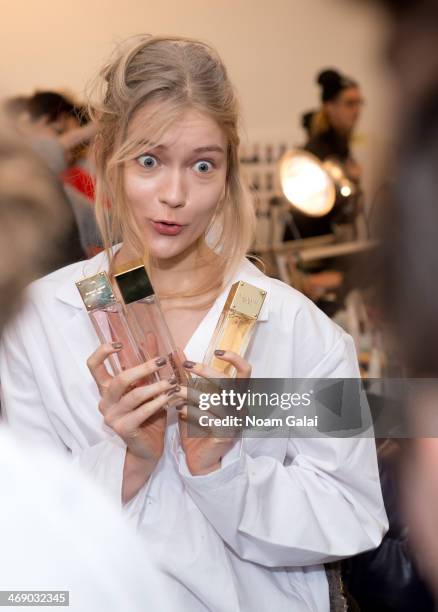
column 245, row 525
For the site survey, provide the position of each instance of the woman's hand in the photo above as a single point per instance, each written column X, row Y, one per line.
column 132, row 404
column 204, row 454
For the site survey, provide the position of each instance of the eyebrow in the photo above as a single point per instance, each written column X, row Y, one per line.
column 216, row 148
column 206, row 149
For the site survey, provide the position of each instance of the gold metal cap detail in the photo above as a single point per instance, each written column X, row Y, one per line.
column 245, row 299
column 96, row 291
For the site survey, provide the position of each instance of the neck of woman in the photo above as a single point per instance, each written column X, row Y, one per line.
column 179, row 275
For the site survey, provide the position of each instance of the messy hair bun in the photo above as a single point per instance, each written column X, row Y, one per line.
column 332, row 83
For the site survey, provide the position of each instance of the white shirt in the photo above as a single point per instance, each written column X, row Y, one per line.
column 251, row 536
column 54, row 534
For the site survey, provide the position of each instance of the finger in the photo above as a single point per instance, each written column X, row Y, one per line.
column 96, row 360
column 138, row 396
column 124, row 381
column 203, row 370
column 128, row 425
column 243, row 368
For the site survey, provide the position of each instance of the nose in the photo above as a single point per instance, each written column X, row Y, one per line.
column 173, row 189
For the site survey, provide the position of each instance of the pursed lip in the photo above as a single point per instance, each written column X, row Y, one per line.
column 166, row 222
column 166, row 227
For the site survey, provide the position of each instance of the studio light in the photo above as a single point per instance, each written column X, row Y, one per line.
column 311, row 186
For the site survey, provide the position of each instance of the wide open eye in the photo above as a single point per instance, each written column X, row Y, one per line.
column 147, row 161
column 203, row 166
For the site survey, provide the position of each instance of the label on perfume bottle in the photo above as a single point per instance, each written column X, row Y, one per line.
column 246, row 299
column 96, row 291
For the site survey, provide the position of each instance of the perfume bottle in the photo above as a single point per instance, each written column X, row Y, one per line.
column 147, row 321
column 109, row 321
column 235, row 325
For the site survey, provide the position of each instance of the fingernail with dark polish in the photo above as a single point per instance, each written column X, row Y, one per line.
column 179, row 407
column 173, row 390
column 160, row 361
column 219, row 353
column 173, row 380
column 117, row 346
column 189, row 364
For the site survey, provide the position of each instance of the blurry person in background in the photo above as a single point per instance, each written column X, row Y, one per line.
column 55, row 109
column 56, row 532
column 331, row 127
column 412, row 255
column 79, row 173
column 329, row 132
column 52, row 123
column 34, row 220
column 17, row 160
column 408, row 260
column 53, row 127
column 389, row 578
column 14, row 108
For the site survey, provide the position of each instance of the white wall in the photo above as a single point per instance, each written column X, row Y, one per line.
column 272, row 48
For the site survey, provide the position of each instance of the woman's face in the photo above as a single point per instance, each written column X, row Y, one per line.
column 344, row 112
column 173, row 189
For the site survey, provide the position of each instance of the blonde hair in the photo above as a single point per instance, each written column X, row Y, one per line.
column 319, row 123
column 178, row 73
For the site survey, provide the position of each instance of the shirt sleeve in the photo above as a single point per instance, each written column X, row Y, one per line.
column 322, row 503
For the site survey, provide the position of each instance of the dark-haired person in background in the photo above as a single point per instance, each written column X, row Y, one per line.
column 57, row 109
column 51, row 124
column 329, row 132
column 331, row 128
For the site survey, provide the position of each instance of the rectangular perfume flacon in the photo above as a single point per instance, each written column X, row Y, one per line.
column 236, row 325
column 147, row 321
column 109, row 321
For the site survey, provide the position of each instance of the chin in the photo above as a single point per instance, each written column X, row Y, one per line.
column 165, row 249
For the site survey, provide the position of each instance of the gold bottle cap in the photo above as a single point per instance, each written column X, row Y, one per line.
column 96, row 291
column 134, row 284
column 246, row 299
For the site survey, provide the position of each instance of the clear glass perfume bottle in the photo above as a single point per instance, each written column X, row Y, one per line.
column 147, row 321
column 109, row 321
column 235, row 325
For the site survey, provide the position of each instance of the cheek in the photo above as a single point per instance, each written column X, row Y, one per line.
column 138, row 191
column 204, row 198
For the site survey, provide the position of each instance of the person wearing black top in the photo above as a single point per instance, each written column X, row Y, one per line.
column 329, row 131
column 330, row 128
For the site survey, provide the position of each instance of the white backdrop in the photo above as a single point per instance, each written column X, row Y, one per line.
column 272, row 49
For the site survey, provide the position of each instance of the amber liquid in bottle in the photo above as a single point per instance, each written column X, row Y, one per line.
column 235, row 325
